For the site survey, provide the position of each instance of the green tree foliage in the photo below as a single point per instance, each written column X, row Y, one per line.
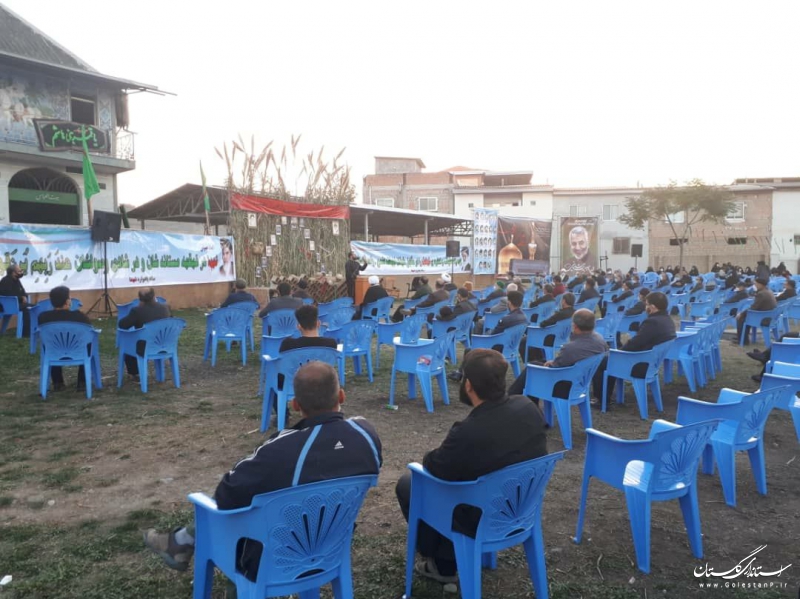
column 695, row 202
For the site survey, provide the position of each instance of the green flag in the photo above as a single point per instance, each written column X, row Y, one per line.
column 206, row 202
column 90, row 186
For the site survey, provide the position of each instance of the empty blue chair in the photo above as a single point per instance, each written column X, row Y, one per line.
column 548, row 339
column 702, row 309
column 378, row 310
column 461, row 326
column 744, row 416
column 336, row 318
column 511, row 501
column 620, row 365
column 508, row 339
column 766, row 320
column 542, row 311
column 356, row 340
column 226, row 325
column 9, row 306
column 686, row 354
column 422, row 361
column 409, row 330
column 660, row 468
column 607, row 327
column 678, row 301
column 590, row 304
column 287, row 364
column 324, row 308
column 788, row 376
column 490, row 321
column 279, row 323
column 67, row 344
column 306, row 532
column 541, row 382
column 787, row 351
column 161, row 344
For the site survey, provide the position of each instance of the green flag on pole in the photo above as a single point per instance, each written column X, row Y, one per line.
column 206, row 202
column 90, row 185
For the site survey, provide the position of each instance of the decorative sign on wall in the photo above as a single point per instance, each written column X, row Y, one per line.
column 252, row 220
column 61, row 136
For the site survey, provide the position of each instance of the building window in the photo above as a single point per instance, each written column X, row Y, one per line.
column 82, row 109
column 532, row 203
column 737, row 240
column 471, row 205
column 677, row 218
column 428, row 204
column 797, row 239
column 610, row 211
column 737, row 214
column 577, row 210
column 385, row 202
column 622, row 245
column 675, row 242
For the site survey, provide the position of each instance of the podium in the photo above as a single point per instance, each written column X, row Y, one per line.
column 362, row 284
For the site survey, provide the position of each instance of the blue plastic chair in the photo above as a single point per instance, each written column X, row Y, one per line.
column 325, row 308
column 786, row 375
column 252, row 308
column 542, row 311
column 660, row 468
column 409, row 330
column 161, row 339
column 378, row 310
column 270, row 346
column 744, row 416
column 590, row 304
column 422, row 361
column 678, row 301
column 287, row 364
column 308, row 301
column 461, row 326
column 735, row 308
column 336, row 318
column 9, row 306
column 486, row 305
column 607, row 327
column 490, row 321
column 541, row 382
column 625, row 326
column 620, row 365
column 68, row 344
column 356, row 339
column 279, row 323
column 306, row 532
column 766, row 320
column 122, row 311
column 434, row 309
column 227, row 325
column 702, row 309
column 548, row 339
column 509, row 339
column 412, row 303
column 685, row 353
column 35, row 311
column 511, row 503
column 786, row 352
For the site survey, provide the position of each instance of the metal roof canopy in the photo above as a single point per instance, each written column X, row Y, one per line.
column 368, row 219
column 185, row 204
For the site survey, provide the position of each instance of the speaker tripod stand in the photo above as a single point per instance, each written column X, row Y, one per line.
column 109, row 306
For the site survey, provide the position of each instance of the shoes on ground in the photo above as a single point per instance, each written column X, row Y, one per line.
column 163, row 544
column 757, row 355
column 455, row 376
column 427, row 568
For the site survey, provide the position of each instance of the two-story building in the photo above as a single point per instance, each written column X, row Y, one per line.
column 50, row 100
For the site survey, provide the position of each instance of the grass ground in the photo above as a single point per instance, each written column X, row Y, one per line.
column 80, row 480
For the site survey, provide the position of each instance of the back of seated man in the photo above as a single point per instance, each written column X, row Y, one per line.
column 321, row 446
column 11, row 285
column 498, row 432
column 589, row 290
column 61, row 312
column 374, row 293
column 547, row 296
column 789, row 290
column 565, row 311
column 421, row 291
column 308, row 324
column 239, row 295
column 284, row 301
column 148, row 310
column 300, row 291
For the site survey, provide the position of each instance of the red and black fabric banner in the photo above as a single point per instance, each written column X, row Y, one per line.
column 283, row 208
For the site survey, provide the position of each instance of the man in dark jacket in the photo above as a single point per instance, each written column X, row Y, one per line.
column 351, row 270
column 423, row 290
column 565, row 312
column 284, row 301
column 463, row 305
column 373, row 294
column 308, row 324
column 59, row 297
column 589, row 291
column 627, row 292
column 583, row 343
column 763, row 302
column 498, row 432
column 11, row 285
column 789, row 291
column 739, row 295
column 148, row 310
column 322, row 446
column 547, row 296
column 300, row 291
column 240, row 295
column 657, row 328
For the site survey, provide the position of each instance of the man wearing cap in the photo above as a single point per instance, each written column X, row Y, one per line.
column 373, row 294
column 763, row 301
column 239, row 294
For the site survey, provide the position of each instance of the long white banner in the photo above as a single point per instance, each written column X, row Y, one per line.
column 408, row 259
column 58, row 255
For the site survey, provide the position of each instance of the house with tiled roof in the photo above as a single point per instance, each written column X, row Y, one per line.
column 50, row 100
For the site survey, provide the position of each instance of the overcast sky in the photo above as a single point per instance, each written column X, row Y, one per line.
column 582, row 93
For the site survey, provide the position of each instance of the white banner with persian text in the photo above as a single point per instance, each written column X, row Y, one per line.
column 57, row 255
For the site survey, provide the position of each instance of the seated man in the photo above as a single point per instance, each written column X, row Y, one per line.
column 789, row 291
column 507, row 430
column 284, row 301
column 373, row 294
column 547, row 296
column 500, row 291
column 589, row 290
column 558, row 286
column 239, row 295
column 321, row 446
column 308, row 325
column 635, row 310
column 463, row 305
column 583, row 343
column 300, row 291
column 440, row 295
column 10, row 285
column 498, row 308
column 59, row 297
column 148, row 310
column 739, row 295
column 763, row 302
column 565, row 311
column 448, row 283
column 423, row 290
